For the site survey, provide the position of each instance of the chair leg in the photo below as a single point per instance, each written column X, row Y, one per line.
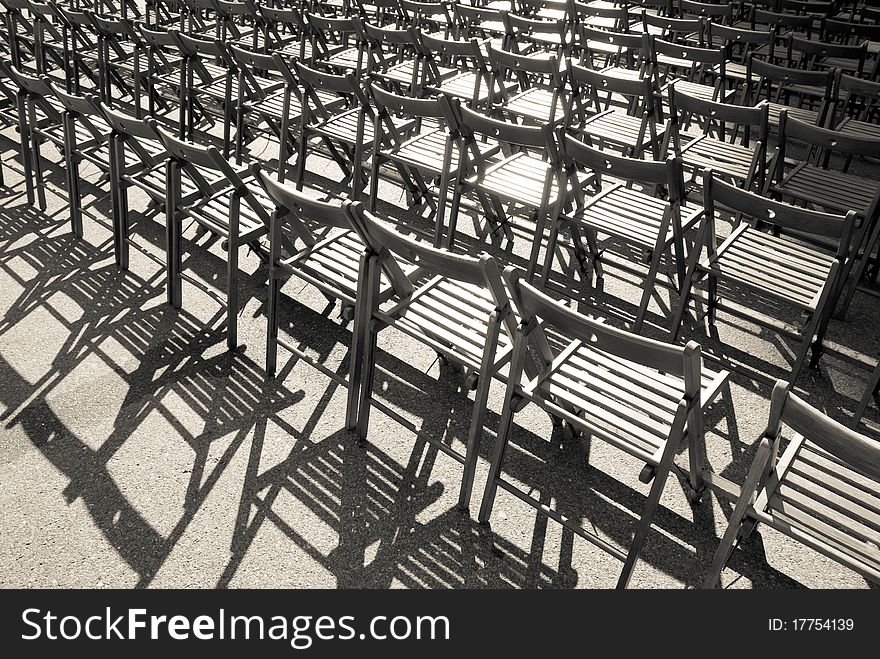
column 870, row 391
column 648, row 288
column 367, row 344
column 232, row 294
column 272, row 323
column 739, row 511
column 648, row 513
column 361, row 318
column 481, row 400
column 501, row 439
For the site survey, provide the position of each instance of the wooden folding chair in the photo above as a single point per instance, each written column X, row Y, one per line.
column 285, row 32
column 596, row 113
column 817, row 182
column 458, row 68
column 541, row 95
column 335, row 43
column 856, row 107
column 769, row 264
column 434, row 18
column 120, row 60
column 461, row 311
column 349, row 128
column 136, row 158
column 822, row 489
column 223, row 203
column 336, row 263
column 739, row 43
column 730, row 139
column 40, row 115
column 432, row 150
column 652, row 219
column 535, row 36
column 393, row 56
column 701, row 72
column 529, row 179
column 603, row 49
column 641, row 396
column 81, row 136
column 780, row 85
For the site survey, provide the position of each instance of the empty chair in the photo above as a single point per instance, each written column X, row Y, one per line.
column 433, row 150
column 529, row 178
column 541, row 97
column 455, row 305
column 335, row 263
column 595, row 110
column 222, row 203
column 805, row 95
column 651, row 220
column 732, row 139
column 822, row 180
column 822, row 489
column 458, row 68
column 136, row 158
column 640, row 396
column 770, row 265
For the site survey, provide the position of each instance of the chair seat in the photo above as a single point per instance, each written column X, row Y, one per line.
column 343, row 127
column 622, row 402
column 454, row 314
column 819, row 499
column 518, row 178
column 801, row 114
column 618, row 127
column 733, row 160
column 463, row 86
column 784, row 269
column 401, row 73
column 424, row 151
column 861, row 129
column 333, row 263
column 834, row 191
column 535, row 103
column 630, row 215
column 347, row 59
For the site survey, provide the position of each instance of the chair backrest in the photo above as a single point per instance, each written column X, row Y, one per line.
column 522, row 28
column 524, row 68
column 672, row 28
column 720, row 116
column 781, row 21
column 128, row 125
column 741, row 41
column 380, row 238
column 719, row 12
column 587, row 81
column 596, row 43
column 805, row 221
column 825, row 140
column 848, row 446
column 538, row 137
column 301, row 209
column 681, row 361
column 768, row 80
column 387, row 102
column 668, row 174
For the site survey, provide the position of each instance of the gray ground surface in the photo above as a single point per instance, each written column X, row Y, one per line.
column 135, row 451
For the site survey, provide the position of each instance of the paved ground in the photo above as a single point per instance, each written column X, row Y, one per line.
column 135, row 451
